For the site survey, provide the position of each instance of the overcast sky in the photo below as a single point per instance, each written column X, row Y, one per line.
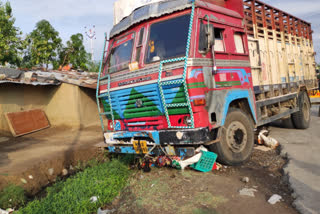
column 71, row 16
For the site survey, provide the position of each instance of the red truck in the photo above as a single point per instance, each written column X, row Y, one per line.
column 182, row 73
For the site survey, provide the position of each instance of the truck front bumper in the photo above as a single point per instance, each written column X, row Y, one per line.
column 125, row 142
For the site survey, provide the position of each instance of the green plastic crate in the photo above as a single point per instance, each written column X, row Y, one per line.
column 206, row 162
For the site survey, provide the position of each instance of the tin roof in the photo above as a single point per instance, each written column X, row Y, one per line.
column 13, row 76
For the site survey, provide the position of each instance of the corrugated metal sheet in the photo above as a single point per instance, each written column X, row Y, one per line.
column 84, row 79
column 29, row 83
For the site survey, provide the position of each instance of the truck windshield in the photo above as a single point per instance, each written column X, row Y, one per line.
column 120, row 55
column 168, row 39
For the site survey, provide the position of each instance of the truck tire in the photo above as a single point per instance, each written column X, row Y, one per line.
column 302, row 118
column 236, row 139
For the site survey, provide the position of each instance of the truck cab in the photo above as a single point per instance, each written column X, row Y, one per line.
column 176, row 75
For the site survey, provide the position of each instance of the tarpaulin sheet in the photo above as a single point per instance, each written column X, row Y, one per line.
column 123, row 8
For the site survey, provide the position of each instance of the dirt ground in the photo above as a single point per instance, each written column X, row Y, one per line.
column 44, row 155
column 36, row 160
column 172, row 191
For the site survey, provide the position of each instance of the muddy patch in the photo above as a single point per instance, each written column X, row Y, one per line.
column 36, row 160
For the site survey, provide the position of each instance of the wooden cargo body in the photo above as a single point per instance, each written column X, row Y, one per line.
column 280, row 45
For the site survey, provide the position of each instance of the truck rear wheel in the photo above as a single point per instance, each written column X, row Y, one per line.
column 301, row 119
column 237, row 139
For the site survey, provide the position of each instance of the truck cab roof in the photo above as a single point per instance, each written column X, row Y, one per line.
column 161, row 8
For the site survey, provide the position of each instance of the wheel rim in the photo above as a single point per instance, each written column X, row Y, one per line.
column 306, row 112
column 236, row 136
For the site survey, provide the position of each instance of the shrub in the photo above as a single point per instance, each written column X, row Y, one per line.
column 104, row 181
column 12, row 197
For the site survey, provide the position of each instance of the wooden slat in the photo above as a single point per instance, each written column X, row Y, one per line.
column 259, row 11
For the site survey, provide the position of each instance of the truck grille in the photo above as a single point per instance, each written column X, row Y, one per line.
column 144, row 102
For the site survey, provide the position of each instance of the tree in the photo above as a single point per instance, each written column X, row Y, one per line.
column 93, row 66
column 75, row 53
column 10, row 37
column 44, row 42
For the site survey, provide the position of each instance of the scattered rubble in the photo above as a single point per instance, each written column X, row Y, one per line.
column 100, row 211
column 219, row 166
column 248, row 192
column 263, row 148
column 245, row 179
column 23, row 180
column 274, row 199
column 64, row 172
column 51, row 171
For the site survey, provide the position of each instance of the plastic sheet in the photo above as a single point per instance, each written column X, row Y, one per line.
column 123, row 8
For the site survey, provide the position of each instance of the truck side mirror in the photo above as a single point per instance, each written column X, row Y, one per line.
column 207, row 38
column 210, row 36
column 211, row 43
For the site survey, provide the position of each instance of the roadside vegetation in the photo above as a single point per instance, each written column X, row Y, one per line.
column 93, row 187
column 12, row 197
column 41, row 48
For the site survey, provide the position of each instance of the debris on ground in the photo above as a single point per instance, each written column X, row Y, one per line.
column 219, row 166
column 3, row 211
column 245, row 179
column 7, row 211
column 263, row 138
column 274, row 199
column 247, row 192
column 203, row 161
column 64, row 172
column 100, row 211
column 206, row 162
column 30, row 177
column 51, row 171
column 190, row 161
column 146, row 164
column 163, row 161
column 23, row 180
column 94, row 199
column 263, row 148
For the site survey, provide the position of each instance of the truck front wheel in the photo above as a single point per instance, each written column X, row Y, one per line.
column 301, row 119
column 236, row 139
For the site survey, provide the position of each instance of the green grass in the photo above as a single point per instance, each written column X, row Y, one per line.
column 12, row 197
column 104, row 180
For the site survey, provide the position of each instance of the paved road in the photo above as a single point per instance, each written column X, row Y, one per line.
column 303, row 150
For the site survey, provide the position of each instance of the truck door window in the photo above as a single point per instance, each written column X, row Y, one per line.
column 238, row 40
column 139, row 45
column 168, row 39
column 120, row 55
column 219, row 42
